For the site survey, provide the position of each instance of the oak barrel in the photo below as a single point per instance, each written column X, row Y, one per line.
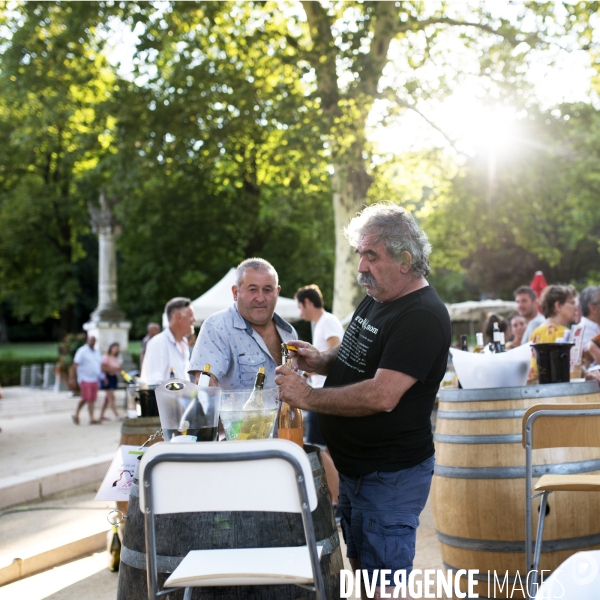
column 134, row 432
column 478, row 488
column 177, row 534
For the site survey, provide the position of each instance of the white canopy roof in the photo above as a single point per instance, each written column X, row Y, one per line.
column 468, row 311
column 220, row 296
column 477, row 310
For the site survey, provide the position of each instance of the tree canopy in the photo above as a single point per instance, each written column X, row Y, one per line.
column 234, row 129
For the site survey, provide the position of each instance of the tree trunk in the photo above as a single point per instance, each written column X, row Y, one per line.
column 350, row 183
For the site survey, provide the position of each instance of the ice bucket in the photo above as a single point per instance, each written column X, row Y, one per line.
column 554, row 362
column 186, row 409
column 506, row 369
column 243, row 424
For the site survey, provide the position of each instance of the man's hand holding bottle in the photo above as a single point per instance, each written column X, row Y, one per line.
column 306, row 357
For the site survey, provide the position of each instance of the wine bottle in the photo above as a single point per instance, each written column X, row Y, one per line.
column 204, row 380
column 463, row 343
column 497, row 346
column 289, row 421
column 127, row 377
column 479, row 347
column 255, row 402
column 114, row 550
column 172, row 373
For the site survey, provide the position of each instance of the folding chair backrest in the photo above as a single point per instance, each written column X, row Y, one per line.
column 233, row 484
column 562, row 431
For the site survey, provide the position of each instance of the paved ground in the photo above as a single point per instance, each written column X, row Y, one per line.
column 42, row 434
column 84, row 579
column 37, row 527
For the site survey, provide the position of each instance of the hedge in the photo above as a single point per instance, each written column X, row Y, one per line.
column 10, row 367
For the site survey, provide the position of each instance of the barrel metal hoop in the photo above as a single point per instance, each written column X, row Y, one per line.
column 315, row 460
column 443, row 438
column 548, row 390
column 483, row 576
column 481, row 414
column 584, row 466
column 137, row 560
column 167, row 564
column 518, row 546
column 329, row 544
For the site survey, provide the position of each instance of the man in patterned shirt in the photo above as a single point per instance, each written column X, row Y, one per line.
column 248, row 335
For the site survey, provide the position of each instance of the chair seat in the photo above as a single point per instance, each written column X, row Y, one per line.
column 565, row 483
column 244, row 566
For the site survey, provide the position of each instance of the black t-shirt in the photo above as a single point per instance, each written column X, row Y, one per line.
column 412, row 335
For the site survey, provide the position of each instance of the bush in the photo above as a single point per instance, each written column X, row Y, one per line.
column 10, row 367
column 135, row 358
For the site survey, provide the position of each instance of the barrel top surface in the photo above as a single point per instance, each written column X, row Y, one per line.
column 141, row 422
column 548, row 390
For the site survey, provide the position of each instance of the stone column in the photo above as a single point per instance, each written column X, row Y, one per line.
column 107, row 323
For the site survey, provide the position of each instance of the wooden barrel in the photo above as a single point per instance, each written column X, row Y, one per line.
column 177, row 534
column 134, row 432
column 478, row 489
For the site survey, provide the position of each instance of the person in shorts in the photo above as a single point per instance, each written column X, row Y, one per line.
column 111, row 367
column 375, row 407
column 88, row 364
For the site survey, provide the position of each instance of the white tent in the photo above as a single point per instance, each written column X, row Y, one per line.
column 220, row 296
column 472, row 310
column 478, row 310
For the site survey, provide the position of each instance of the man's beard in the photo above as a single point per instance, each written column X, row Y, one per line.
column 367, row 279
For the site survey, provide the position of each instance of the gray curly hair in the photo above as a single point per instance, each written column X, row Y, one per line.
column 397, row 229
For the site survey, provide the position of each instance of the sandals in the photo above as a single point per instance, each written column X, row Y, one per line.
column 75, row 419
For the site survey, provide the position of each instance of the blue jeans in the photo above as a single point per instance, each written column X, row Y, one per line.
column 380, row 515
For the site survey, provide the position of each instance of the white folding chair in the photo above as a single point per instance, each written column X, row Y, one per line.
column 555, row 426
column 263, row 475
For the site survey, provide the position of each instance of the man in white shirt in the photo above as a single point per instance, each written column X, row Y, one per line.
column 169, row 349
column 527, row 307
column 327, row 334
column 589, row 301
column 88, row 366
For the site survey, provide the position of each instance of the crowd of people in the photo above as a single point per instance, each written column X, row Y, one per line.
column 96, row 371
column 548, row 318
column 368, row 392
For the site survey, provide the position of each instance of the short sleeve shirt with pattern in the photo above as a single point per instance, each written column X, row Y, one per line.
column 235, row 351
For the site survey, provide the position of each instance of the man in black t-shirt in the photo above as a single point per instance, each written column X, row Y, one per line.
column 375, row 408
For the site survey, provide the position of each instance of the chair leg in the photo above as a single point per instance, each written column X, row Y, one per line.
column 187, row 595
column 538, row 542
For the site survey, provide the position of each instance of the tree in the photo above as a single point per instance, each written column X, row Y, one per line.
column 54, row 86
column 542, row 211
column 348, row 46
column 217, row 157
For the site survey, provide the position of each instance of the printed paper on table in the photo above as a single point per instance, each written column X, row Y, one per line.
column 119, row 478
